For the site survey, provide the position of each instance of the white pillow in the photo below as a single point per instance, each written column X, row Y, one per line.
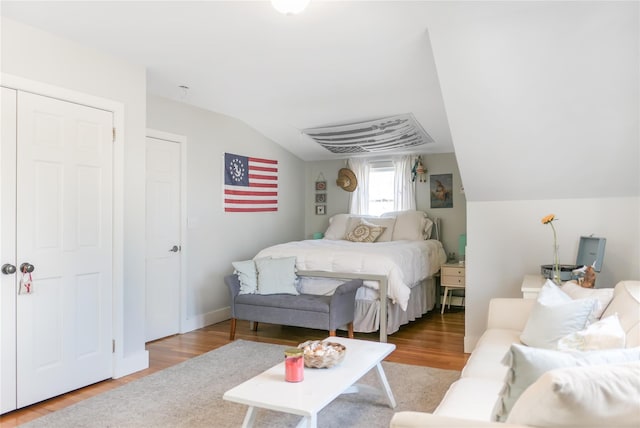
column 365, row 232
column 277, row 275
column 602, row 295
column 527, row 364
column 553, row 318
column 606, row 333
column 409, row 225
column 428, row 226
column 247, row 275
column 595, row 396
column 387, row 223
column 337, row 227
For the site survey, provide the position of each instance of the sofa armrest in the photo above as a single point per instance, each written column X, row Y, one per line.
column 510, row 314
column 421, row 420
column 348, row 287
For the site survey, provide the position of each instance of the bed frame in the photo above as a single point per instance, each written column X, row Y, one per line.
column 382, row 280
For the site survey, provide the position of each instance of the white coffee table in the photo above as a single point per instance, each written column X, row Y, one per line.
column 320, row 387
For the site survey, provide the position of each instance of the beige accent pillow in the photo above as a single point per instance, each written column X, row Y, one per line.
column 365, row 232
column 602, row 295
column 387, row 223
column 594, row 396
column 410, row 225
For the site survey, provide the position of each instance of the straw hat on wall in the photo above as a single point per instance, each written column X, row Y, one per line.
column 347, row 180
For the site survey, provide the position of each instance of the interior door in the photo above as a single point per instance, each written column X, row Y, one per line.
column 8, row 251
column 163, row 265
column 63, row 229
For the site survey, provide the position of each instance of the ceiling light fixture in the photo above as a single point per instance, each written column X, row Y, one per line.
column 290, row 7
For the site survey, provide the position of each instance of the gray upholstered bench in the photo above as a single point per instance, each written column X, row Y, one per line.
column 303, row 310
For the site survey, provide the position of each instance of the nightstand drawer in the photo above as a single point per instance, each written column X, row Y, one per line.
column 452, row 271
column 452, row 280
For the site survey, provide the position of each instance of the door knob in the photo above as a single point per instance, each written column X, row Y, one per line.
column 175, row 249
column 27, row 267
column 8, row 269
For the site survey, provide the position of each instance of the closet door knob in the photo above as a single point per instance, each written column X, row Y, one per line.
column 27, row 267
column 8, row 269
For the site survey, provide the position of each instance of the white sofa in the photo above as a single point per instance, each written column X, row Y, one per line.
column 470, row 401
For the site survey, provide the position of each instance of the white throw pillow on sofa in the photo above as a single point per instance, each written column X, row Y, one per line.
column 247, row 275
column 527, row 364
column 602, row 295
column 606, row 333
column 594, row 396
column 554, row 316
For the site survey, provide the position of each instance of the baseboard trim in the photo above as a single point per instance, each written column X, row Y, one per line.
column 123, row 366
column 212, row 317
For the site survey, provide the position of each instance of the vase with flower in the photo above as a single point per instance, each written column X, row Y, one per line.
column 549, row 219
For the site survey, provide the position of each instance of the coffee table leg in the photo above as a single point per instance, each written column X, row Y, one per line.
column 249, row 417
column 385, row 385
column 308, row 422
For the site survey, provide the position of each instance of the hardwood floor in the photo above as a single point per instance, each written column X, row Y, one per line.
column 435, row 340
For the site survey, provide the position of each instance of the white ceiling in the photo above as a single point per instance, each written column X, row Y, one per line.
column 336, row 62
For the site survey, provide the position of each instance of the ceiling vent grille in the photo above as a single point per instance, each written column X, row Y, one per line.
column 394, row 133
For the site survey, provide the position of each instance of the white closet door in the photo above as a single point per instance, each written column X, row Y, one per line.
column 64, row 229
column 8, row 251
column 163, row 238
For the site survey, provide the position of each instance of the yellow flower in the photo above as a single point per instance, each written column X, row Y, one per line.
column 548, row 219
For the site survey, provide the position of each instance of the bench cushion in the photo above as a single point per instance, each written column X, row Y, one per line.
column 302, row 302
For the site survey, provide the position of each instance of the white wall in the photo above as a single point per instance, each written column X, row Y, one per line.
column 453, row 219
column 507, row 240
column 215, row 238
column 39, row 56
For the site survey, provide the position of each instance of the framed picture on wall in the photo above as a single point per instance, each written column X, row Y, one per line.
column 321, row 198
column 321, row 186
column 441, row 187
column 320, row 210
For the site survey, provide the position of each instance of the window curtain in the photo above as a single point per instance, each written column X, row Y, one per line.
column 359, row 200
column 404, row 188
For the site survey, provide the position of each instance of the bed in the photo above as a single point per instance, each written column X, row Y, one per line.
column 397, row 268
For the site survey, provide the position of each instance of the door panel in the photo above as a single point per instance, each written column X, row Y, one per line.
column 162, row 233
column 64, row 220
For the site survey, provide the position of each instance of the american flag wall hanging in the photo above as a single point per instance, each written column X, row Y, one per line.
column 250, row 184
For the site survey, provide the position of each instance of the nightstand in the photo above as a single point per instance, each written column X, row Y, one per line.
column 531, row 285
column 452, row 277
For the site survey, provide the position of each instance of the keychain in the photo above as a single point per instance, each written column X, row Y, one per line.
column 26, row 282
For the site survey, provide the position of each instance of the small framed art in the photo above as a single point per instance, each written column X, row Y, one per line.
column 320, row 209
column 321, row 198
column 321, row 186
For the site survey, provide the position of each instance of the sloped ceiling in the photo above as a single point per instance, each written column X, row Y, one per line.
column 539, row 100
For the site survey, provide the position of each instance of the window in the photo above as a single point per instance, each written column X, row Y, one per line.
column 381, row 189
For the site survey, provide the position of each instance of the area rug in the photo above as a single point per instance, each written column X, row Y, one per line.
column 190, row 395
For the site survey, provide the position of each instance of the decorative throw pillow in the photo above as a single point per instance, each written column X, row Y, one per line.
column 410, row 225
column 277, row 275
column 602, row 295
column 365, row 232
column 554, row 316
column 527, row 364
column 248, row 276
column 606, row 333
column 594, row 396
column 387, row 223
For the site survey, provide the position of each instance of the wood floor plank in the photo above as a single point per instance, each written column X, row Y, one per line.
column 434, row 340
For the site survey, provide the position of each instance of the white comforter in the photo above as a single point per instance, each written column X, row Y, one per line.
column 403, row 262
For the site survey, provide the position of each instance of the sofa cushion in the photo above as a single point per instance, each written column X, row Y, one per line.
column 527, row 364
column 626, row 300
column 470, row 398
column 555, row 315
column 595, row 396
column 247, row 275
column 277, row 275
column 485, row 361
column 303, row 302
